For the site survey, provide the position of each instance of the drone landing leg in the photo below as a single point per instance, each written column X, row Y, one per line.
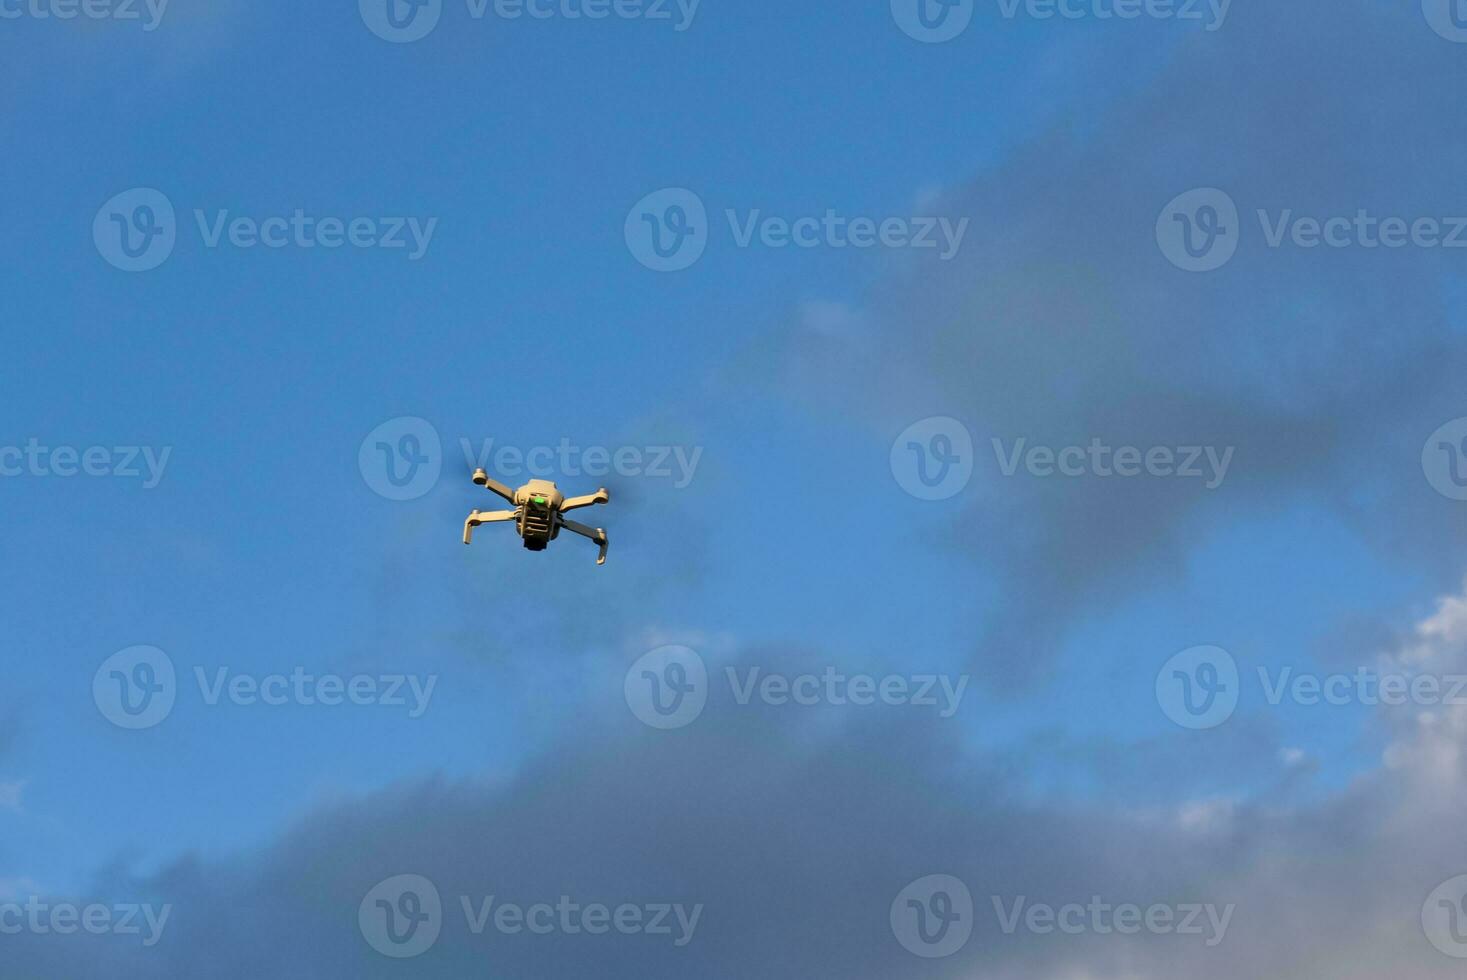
column 596, row 534
column 485, row 517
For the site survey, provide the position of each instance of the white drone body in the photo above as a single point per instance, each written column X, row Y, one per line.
column 538, row 514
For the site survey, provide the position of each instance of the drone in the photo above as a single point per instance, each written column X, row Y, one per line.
column 538, row 513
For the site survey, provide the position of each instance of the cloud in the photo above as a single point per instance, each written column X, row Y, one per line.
column 795, row 835
column 1062, row 321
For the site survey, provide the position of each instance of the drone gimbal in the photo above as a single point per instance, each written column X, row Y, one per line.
column 538, row 513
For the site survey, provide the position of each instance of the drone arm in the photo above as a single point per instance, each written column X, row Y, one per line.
column 484, row 480
column 596, row 534
column 599, row 497
column 486, row 517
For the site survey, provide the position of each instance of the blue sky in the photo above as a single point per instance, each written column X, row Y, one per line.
column 529, row 320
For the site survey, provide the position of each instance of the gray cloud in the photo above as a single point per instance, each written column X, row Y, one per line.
column 796, row 831
column 1061, row 321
